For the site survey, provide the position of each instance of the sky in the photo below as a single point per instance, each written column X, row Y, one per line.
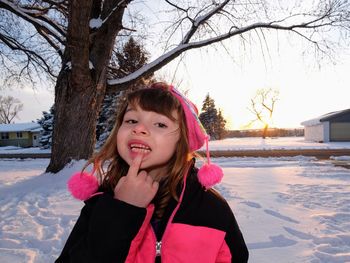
column 308, row 86
column 307, row 89
column 34, row 102
column 290, row 208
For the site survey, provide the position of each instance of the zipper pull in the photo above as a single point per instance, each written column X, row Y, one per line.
column 158, row 248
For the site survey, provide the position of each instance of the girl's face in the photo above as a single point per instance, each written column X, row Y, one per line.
column 151, row 134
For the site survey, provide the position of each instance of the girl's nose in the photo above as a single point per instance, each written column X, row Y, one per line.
column 140, row 129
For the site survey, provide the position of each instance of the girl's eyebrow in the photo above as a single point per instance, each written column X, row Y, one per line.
column 130, row 108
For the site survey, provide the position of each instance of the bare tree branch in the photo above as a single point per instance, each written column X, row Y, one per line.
column 234, row 31
column 9, row 108
column 201, row 20
column 31, row 55
column 45, row 26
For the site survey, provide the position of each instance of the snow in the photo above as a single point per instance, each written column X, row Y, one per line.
column 69, row 65
column 286, row 143
column 91, row 65
column 95, row 23
column 236, row 144
column 16, row 149
column 290, row 209
column 318, row 120
column 18, row 127
column 49, row 26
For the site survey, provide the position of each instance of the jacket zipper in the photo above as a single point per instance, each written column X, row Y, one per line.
column 158, row 244
column 158, row 248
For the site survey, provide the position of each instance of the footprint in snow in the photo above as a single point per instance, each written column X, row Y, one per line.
column 275, row 241
column 280, row 216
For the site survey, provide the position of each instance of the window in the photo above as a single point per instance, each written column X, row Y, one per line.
column 5, row 136
column 34, row 137
column 19, row 135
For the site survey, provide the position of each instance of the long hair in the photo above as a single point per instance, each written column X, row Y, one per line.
column 109, row 165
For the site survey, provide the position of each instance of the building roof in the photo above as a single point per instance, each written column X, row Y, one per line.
column 20, row 127
column 326, row 117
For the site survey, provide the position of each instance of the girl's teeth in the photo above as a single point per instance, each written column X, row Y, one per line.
column 140, row 150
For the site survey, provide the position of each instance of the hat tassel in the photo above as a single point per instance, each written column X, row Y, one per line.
column 209, row 174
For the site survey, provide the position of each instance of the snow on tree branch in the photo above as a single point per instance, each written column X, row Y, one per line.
column 111, row 16
column 202, row 19
column 46, row 27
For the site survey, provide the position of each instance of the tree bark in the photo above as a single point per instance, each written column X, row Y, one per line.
column 80, row 88
column 72, row 139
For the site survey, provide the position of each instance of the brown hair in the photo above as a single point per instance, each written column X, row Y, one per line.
column 110, row 167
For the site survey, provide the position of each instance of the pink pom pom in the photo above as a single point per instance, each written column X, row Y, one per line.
column 209, row 175
column 82, row 185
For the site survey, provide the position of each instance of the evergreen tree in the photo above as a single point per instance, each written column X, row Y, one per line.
column 130, row 57
column 212, row 119
column 221, row 129
column 47, row 123
column 104, row 124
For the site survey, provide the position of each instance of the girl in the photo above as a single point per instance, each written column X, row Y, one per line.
column 153, row 204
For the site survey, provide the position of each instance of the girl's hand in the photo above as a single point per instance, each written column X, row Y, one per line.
column 136, row 188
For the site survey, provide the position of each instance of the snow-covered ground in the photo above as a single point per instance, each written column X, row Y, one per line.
column 287, row 143
column 290, row 209
column 254, row 143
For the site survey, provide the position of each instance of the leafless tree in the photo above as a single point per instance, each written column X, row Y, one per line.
column 72, row 42
column 263, row 106
column 9, row 108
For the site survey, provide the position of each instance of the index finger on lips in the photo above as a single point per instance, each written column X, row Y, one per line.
column 135, row 165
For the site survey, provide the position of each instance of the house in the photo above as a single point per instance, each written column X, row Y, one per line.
column 330, row 127
column 20, row 134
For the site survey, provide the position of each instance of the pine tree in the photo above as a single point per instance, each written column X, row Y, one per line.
column 131, row 57
column 212, row 119
column 208, row 116
column 221, row 129
column 47, row 123
column 104, row 124
column 127, row 59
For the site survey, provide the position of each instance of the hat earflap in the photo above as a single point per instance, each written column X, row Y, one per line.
column 209, row 174
column 82, row 185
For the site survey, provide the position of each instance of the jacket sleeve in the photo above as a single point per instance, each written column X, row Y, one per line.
column 234, row 244
column 103, row 231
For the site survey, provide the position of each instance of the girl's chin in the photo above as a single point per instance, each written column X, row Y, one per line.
column 133, row 154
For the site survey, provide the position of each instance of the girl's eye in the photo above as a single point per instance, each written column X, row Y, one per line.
column 130, row 121
column 161, row 125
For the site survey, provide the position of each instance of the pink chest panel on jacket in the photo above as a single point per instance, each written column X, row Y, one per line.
column 184, row 243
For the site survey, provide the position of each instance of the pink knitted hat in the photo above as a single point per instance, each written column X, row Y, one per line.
column 209, row 174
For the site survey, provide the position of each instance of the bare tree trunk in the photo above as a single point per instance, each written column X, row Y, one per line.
column 264, row 132
column 80, row 88
column 76, row 110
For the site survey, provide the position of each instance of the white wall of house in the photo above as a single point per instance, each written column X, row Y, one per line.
column 314, row 133
column 36, row 139
column 326, row 131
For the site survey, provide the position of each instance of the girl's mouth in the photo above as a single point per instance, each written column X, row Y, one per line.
column 139, row 148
